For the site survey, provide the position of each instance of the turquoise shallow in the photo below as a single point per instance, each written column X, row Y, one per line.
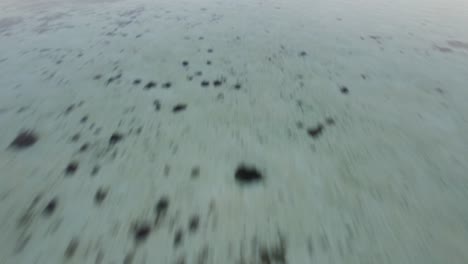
column 243, row 132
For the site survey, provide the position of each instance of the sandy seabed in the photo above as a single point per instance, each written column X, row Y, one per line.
column 241, row 132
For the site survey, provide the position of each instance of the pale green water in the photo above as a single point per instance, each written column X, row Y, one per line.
column 350, row 118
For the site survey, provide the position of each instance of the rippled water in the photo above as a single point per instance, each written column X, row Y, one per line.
column 233, row 131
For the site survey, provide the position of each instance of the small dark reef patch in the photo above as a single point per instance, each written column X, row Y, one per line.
column 179, row 107
column 247, row 175
column 316, row 131
column 24, row 139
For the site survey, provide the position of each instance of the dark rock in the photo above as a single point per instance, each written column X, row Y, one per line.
column 247, row 175
column 115, row 138
column 24, row 139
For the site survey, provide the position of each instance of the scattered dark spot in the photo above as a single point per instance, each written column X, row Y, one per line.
column 25, row 218
column 178, row 237
column 217, row 83
column 300, row 103
column 22, row 242
column 202, row 257
column 99, row 257
column 210, row 50
column 247, row 175
column 84, row 147
column 71, row 248
column 364, row 77
column 167, row 85
column 24, row 139
column 458, row 44
column 95, row 170
column 50, row 207
column 172, row 222
column 36, row 200
column 278, row 253
column 275, row 254
column 129, row 258
column 22, row 109
column 212, row 206
column 58, row 62
column 310, row 247
column 141, row 232
column 136, row 81
column 208, row 62
column 75, row 137
column 167, row 170
column 150, row 85
column 69, row 109
column 201, row 38
column 198, row 73
column 157, row 105
column 115, row 138
column 220, row 96
column 185, row 63
column 100, row 195
column 443, row 49
column 315, row 131
column 195, row 172
column 439, row 90
column 237, row 86
column 179, row 108
column 264, row 256
column 138, row 130
column 97, row 77
column 71, row 168
column 114, row 78
column 205, row 83
column 344, row 90
column 160, row 209
column 302, row 53
column 330, row 121
column 162, row 205
column 189, row 78
column 84, row 119
column 194, row 222
column 299, row 124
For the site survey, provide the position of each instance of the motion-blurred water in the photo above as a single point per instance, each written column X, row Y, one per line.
column 202, row 131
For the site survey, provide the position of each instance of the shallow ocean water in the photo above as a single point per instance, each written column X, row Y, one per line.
column 205, row 131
